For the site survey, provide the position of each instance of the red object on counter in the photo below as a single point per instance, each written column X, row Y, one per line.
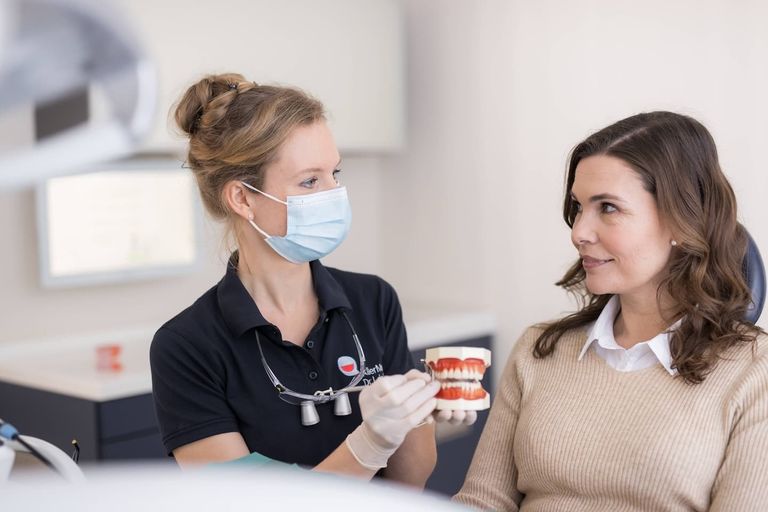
column 108, row 358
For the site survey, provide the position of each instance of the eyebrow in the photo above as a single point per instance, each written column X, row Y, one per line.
column 600, row 197
column 316, row 169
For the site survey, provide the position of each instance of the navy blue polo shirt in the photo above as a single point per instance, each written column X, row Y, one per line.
column 208, row 379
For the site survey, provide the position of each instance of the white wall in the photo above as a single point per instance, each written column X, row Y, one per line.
column 499, row 91
column 346, row 52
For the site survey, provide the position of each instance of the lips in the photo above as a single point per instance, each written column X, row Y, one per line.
column 589, row 262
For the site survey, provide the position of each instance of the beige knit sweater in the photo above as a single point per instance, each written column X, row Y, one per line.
column 569, row 435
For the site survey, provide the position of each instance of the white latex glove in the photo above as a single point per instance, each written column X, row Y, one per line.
column 456, row 417
column 391, row 407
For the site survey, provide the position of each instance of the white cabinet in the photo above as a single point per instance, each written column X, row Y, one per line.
column 347, row 53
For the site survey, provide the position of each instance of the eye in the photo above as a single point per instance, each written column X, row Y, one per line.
column 309, row 182
column 608, row 208
column 576, row 206
column 336, row 176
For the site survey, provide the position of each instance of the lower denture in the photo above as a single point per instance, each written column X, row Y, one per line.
column 459, row 393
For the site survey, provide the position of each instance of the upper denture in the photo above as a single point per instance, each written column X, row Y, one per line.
column 452, row 368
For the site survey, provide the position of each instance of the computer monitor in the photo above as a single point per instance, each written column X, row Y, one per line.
column 128, row 221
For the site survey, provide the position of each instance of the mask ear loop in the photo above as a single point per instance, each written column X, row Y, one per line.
column 250, row 214
column 265, row 194
column 257, row 228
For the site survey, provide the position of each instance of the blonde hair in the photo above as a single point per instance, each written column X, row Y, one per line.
column 235, row 128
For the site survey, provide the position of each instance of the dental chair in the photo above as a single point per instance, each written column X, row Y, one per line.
column 754, row 271
column 59, row 461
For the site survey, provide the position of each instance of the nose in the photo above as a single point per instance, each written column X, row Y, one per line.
column 583, row 231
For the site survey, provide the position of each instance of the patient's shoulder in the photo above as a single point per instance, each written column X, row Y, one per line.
column 572, row 337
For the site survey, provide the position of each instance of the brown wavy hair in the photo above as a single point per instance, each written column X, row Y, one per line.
column 236, row 127
column 676, row 159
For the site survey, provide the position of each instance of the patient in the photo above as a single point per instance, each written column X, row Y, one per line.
column 653, row 395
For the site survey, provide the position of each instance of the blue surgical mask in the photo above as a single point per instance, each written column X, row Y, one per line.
column 317, row 224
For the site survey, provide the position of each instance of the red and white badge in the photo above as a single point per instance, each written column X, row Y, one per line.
column 348, row 366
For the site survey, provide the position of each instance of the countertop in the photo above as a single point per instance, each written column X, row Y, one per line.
column 67, row 364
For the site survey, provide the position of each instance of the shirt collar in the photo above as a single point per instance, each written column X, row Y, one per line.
column 330, row 293
column 659, row 345
column 602, row 332
column 603, row 326
column 241, row 313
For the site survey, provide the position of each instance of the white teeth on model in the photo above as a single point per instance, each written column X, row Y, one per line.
column 463, row 384
column 459, row 374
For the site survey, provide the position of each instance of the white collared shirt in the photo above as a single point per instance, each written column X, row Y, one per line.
column 640, row 356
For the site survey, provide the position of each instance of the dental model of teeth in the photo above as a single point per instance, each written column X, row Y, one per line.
column 460, row 370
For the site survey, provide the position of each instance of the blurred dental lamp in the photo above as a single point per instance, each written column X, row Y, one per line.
column 54, row 51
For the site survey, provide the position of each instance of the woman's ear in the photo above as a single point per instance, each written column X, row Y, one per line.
column 237, row 199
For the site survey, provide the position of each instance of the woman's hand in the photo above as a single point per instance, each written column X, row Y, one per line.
column 391, row 407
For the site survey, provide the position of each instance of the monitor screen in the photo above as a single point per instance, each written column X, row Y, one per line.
column 126, row 222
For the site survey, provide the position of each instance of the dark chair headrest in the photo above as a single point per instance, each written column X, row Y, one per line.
column 754, row 271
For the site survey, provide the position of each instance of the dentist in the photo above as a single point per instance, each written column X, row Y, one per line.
column 262, row 361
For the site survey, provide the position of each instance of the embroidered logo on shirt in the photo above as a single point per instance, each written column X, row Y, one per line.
column 372, row 373
column 348, row 366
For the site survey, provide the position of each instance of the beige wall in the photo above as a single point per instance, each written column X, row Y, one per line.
column 498, row 93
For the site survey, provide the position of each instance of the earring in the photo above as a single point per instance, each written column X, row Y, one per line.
column 250, row 216
column 673, row 242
